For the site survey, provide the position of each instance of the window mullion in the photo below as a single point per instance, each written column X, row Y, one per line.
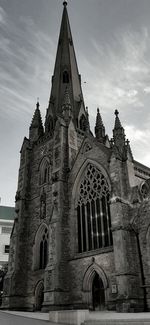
column 108, row 226
column 91, row 225
column 102, row 224
column 97, row 232
column 82, row 247
column 86, row 224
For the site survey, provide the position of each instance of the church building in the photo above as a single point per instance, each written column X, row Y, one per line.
column 81, row 235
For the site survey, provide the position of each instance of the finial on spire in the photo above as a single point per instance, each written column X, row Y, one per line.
column 99, row 127
column 37, row 104
column 65, row 3
column 119, row 139
column 117, row 120
column 116, row 112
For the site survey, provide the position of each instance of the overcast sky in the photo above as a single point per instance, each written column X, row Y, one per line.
column 112, row 44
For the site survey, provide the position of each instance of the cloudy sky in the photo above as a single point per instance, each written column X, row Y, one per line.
column 112, row 43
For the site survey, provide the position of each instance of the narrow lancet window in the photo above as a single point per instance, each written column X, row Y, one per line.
column 83, row 123
column 93, row 212
column 44, row 172
column 65, row 77
column 43, row 250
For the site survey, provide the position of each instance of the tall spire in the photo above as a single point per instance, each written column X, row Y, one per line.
column 99, row 127
column 65, row 73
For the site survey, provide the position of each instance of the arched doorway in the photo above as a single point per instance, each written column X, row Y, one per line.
column 39, row 295
column 95, row 285
column 98, row 294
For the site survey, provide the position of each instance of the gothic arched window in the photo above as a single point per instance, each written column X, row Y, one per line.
column 82, row 123
column 43, row 250
column 50, row 126
column 65, row 77
column 93, row 211
column 44, row 171
column 40, row 249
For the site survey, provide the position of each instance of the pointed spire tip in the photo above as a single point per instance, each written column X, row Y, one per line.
column 116, row 112
column 65, row 3
column 37, row 104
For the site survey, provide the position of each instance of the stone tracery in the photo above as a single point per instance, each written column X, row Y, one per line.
column 93, row 213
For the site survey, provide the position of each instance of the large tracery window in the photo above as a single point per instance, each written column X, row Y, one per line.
column 93, row 212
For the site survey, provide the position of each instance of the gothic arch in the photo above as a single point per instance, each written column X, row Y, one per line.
column 82, row 122
column 49, row 125
column 81, row 173
column 93, row 270
column 89, row 276
column 44, row 170
column 39, row 295
column 86, row 147
column 87, row 236
column 41, row 236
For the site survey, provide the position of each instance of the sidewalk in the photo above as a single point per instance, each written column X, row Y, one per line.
column 95, row 316
column 35, row 315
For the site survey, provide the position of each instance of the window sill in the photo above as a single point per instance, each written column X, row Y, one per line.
column 93, row 252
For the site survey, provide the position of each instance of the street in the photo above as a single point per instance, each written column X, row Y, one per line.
column 9, row 319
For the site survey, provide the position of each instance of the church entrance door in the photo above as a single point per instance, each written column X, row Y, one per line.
column 98, row 293
column 39, row 296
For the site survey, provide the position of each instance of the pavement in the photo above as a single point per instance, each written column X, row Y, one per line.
column 14, row 318
column 38, row 318
column 114, row 315
column 35, row 315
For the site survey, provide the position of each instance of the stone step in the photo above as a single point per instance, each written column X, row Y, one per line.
column 127, row 321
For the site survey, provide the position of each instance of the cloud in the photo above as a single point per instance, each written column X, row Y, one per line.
column 147, row 90
column 139, row 143
column 2, row 16
column 119, row 75
column 24, row 58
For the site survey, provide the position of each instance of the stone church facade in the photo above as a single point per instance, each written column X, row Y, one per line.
column 81, row 236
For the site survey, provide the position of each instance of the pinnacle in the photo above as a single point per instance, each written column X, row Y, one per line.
column 118, row 132
column 99, row 127
column 37, row 120
column 87, row 120
column 117, row 121
column 99, row 122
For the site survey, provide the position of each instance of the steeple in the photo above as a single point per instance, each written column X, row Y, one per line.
column 65, row 74
column 36, row 127
column 99, row 127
